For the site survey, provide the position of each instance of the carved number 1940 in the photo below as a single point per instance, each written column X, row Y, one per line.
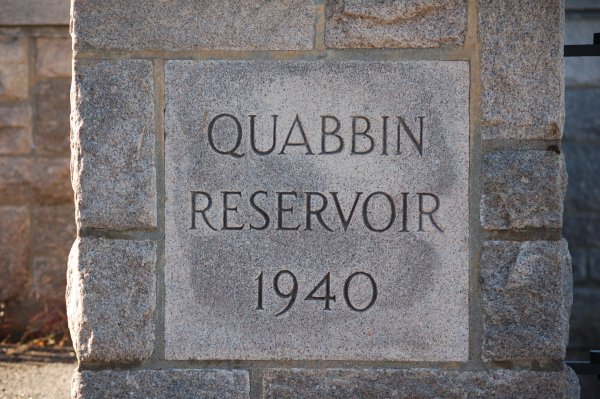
column 325, row 283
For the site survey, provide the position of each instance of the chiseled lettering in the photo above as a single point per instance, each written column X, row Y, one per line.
column 238, row 139
column 195, row 209
column 227, row 209
column 302, row 133
column 261, row 211
column 253, row 136
column 281, row 210
column 331, row 133
column 315, row 212
column 430, row 212
column 366, row 220
column 364, row 133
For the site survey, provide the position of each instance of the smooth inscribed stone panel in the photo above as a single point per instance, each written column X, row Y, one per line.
column 317, row 210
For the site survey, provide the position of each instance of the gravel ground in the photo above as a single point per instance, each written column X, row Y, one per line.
column 33, row 380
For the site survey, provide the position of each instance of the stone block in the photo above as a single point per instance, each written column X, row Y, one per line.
column 15, row 181
column 50, row 183
column 527, row 297
column 34, row 12
column 419, row 276
column 53, row 231
column 585, row 319
column 580, row 29
column 583, row 116
column 111, row 299
column 183, row 25
column 521, row 68
column 14, row 68
column 112, row 144
column 523, row 189
column 419, row 383
column 172, row 383
column 15, row 129
column 15, row 248
column 582, row 231
column 48, row 281
column 52, row 119
column 53, row 57
column 395, row 23
column 583, row 165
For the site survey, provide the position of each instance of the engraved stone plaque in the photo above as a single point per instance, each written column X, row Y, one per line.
column 317, row 210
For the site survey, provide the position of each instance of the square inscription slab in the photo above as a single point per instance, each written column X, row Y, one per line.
column 317, row 210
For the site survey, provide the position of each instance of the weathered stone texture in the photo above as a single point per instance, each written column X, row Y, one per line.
column 193, row 25
column 34, row 12
column 419, row 383
column 421, row 277
column 15, row 129
column 523, row 189
column 52, row 119
column 14, row 251
column 111, row 299
column 50, row 182
column 527, row 297
column 173, row 383
column 15, row 181
column 395, row 23
column 112, row 144
column 522, row 68
column 14, row 70
column 53, row 57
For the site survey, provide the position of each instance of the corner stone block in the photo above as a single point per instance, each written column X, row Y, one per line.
column 173, row 383
column 113, row 145
column 111, row 297
column 184, row 25
column 522, row 68
column 395, row 24
column 523, row 189
column 527, row 297
column 419, row 383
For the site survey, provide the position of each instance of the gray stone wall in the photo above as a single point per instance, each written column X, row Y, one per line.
column 36, row 199
column 520, row 268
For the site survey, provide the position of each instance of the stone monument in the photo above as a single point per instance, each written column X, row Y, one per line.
column 308, row 198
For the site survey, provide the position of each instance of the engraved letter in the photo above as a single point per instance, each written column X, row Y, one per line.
column 259, row 210
column 253, row 136
column 226, row 208
column 238, row 140
column 409, row 133
column 325, row 133
column 428, row 213
column 281, row 210
column 364, row 133
column 345, row 221
column 195, row 209
column 366, row 213
column 316, row 212
column 303, row 143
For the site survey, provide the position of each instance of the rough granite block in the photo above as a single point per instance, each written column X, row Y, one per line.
column 14, row 68
column 15, row 129
column 522, row 68
column 419, row 383
column 111, row 299
column 193, row 25
column 527, row 297
column 51, row 133
column 523, row 189
column 53, row 57
column 34, row 12
column 112, row 145
column 395, row 23
column 14, row 250
column 172, row 383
